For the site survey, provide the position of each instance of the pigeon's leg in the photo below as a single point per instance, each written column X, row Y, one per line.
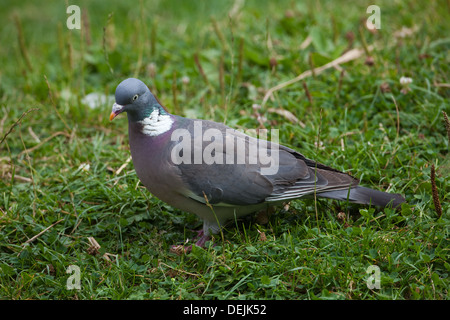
column 201, row 242
column 262, row 216
column 199, row 233
column 203, row 235
column 201, row 238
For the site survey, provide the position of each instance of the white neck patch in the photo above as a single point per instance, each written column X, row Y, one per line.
column 156, row 124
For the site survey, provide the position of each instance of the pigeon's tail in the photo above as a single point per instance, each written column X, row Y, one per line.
column 365, row 195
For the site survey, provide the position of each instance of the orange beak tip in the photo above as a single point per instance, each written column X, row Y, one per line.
column 112, row 116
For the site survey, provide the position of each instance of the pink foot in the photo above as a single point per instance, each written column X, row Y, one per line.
column 182, row 248
column 201, row 242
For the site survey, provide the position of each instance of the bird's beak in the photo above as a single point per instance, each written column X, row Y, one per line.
column 116, row 109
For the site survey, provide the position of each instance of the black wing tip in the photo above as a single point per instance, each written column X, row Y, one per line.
column 378, row 198
column 397, row 200
column 367, row 196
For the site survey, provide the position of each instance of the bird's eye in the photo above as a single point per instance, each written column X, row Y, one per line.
column 135, row 97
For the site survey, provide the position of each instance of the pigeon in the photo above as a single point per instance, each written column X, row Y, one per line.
column 219, row 173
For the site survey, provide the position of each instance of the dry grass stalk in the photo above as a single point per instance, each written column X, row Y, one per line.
column 200, row 69
column 308, row 94
column 54, row 104
column 175, row 92
column 41, row 233
column 15, row 124
column 341, row 77
column 346, row 57
column 222, row 80
column 437, row 203
column 398, row 115
column 58, row 133
column 447, row 125
column 22, row 46
column 240, row 59
column 104, row 43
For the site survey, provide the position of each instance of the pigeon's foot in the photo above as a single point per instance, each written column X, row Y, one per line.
column 183, row 249
column 202, row 240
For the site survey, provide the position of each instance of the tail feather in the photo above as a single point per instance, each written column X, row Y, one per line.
column 365, row 195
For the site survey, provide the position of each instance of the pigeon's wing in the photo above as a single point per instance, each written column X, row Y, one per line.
column 320, row 178
column 226, row 167
column 333, row 184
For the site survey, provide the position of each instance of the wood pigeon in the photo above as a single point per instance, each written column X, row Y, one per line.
column 218, row 173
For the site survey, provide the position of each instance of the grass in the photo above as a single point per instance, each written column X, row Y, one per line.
column 216, row 61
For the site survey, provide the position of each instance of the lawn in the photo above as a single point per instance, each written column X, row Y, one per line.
column 72, row 208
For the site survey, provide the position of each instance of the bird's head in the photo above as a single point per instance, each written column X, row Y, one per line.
column 134, row 98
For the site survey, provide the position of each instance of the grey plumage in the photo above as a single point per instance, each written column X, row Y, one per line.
column 221, row 191
column 365, row 195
